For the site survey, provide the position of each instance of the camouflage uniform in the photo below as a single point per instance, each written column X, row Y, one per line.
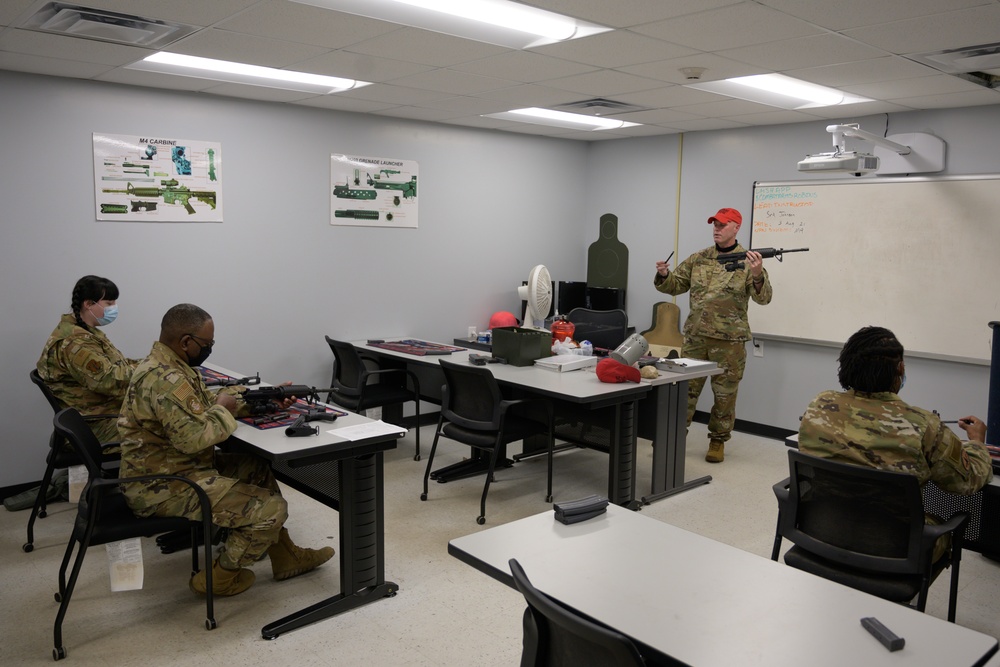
column 716, row 328
column 881, row 431
column 170, row 425
column 85, row 371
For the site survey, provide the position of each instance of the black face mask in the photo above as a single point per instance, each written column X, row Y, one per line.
column 202, row 356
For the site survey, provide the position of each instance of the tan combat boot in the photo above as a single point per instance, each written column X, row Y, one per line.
column 716, row 451
column 224, row 582
column 288, row 560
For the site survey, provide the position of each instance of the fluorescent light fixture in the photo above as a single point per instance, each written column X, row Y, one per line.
column 778, row 90
column 254, row 75
column 572, row 121
column 500, row 22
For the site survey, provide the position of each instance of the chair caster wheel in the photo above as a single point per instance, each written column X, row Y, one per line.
column 58, row 653
column 423, row 496
column 41, row 515
column 417, row 457
column 210, row 624
column 58, row 597
column 480, row 520
column 548, row 499
column 27, row 547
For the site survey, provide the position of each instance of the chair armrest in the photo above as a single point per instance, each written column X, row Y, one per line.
column 781, row 490
column 389, row 371
column 94, row 418
column 203, row 499
column 955, row 524
column 506, row 405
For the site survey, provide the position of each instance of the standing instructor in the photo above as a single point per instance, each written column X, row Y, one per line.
column 717, row 329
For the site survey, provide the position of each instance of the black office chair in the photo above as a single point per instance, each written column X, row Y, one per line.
column 555, row 635
column 103, row 517
column 604, row 328
column 864, row 528
column 474, row 413
column 353, row 391
column 60, row 455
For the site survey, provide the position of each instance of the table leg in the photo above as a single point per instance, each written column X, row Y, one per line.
column 668, row 424
column 362, row 546
column 621, row 458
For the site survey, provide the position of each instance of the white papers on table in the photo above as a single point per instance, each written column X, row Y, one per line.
column 566, row 362
column 369, row 430
column 684, row 364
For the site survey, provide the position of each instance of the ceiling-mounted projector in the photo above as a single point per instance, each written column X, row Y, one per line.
column 855, row 163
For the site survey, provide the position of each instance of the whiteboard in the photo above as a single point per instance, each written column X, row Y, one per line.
column 920, row 256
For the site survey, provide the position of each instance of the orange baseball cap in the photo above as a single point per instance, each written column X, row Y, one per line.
column 727, row 215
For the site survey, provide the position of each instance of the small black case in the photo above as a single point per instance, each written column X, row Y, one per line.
column 574, row 511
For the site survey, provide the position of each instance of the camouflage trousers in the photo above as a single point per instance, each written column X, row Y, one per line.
column 731, row 355
column 245, row 499
column 106, row 430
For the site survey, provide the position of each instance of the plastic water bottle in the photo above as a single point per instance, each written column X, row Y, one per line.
column 587, row 348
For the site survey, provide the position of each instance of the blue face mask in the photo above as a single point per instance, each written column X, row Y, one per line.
column 110, row 315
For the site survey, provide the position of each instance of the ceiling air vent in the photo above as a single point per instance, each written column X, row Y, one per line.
column 966, row 59
column 76, row 21
column 599, row 106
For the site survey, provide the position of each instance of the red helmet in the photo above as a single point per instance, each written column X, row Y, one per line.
column 502, row 318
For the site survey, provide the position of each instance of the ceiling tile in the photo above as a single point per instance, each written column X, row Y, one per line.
column 624, row 13
column 604, row 83
column 360, row 66
column 531, row 95
column 25, row 62
column 524, row 66
column 401, row 95
column 70, row 48
column 970, row 98
column 917, row 87
column 864, row 71
column 256, row 92
column 418, row 113
column 453, row 81
column 191, row 12
column 727, row 28
column 801, row 52
column 427, row 48
column 250, row 49
column 716, row 68
column 614, row 49
column 707, row 124
column 280, row 19
column 776, row 117
column 844, row 14
column 12, row 9
column 133, row 77
column 967, row 27
column 341, row 103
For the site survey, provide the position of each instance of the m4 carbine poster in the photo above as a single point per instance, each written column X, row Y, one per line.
column 157, row 179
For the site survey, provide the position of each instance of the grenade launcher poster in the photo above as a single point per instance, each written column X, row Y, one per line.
column 157, row 179
column 373, row 191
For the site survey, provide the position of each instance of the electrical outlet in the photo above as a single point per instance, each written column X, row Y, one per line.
column 758, row 348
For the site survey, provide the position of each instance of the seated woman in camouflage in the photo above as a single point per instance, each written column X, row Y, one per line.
column 80, row 365
column 869, row 425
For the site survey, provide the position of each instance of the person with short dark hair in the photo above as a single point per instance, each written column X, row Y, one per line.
column 868, row 424
column 170, row 425
column 80, row 365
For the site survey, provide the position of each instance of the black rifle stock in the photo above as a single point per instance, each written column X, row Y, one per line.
column 733, row 260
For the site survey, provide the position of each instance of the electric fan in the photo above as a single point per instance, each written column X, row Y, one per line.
column 538, row 294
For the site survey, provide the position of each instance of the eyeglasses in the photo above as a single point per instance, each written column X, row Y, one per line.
column 199, row 339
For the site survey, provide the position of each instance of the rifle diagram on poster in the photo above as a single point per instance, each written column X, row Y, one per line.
column 157, row 179
column 373, row 191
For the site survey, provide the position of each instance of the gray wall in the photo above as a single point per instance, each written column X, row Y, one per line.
column 277, row 277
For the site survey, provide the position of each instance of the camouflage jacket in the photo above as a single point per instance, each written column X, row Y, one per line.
column 719, row 298
column 881, row 431
column 83, row 369
column 170, row 425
